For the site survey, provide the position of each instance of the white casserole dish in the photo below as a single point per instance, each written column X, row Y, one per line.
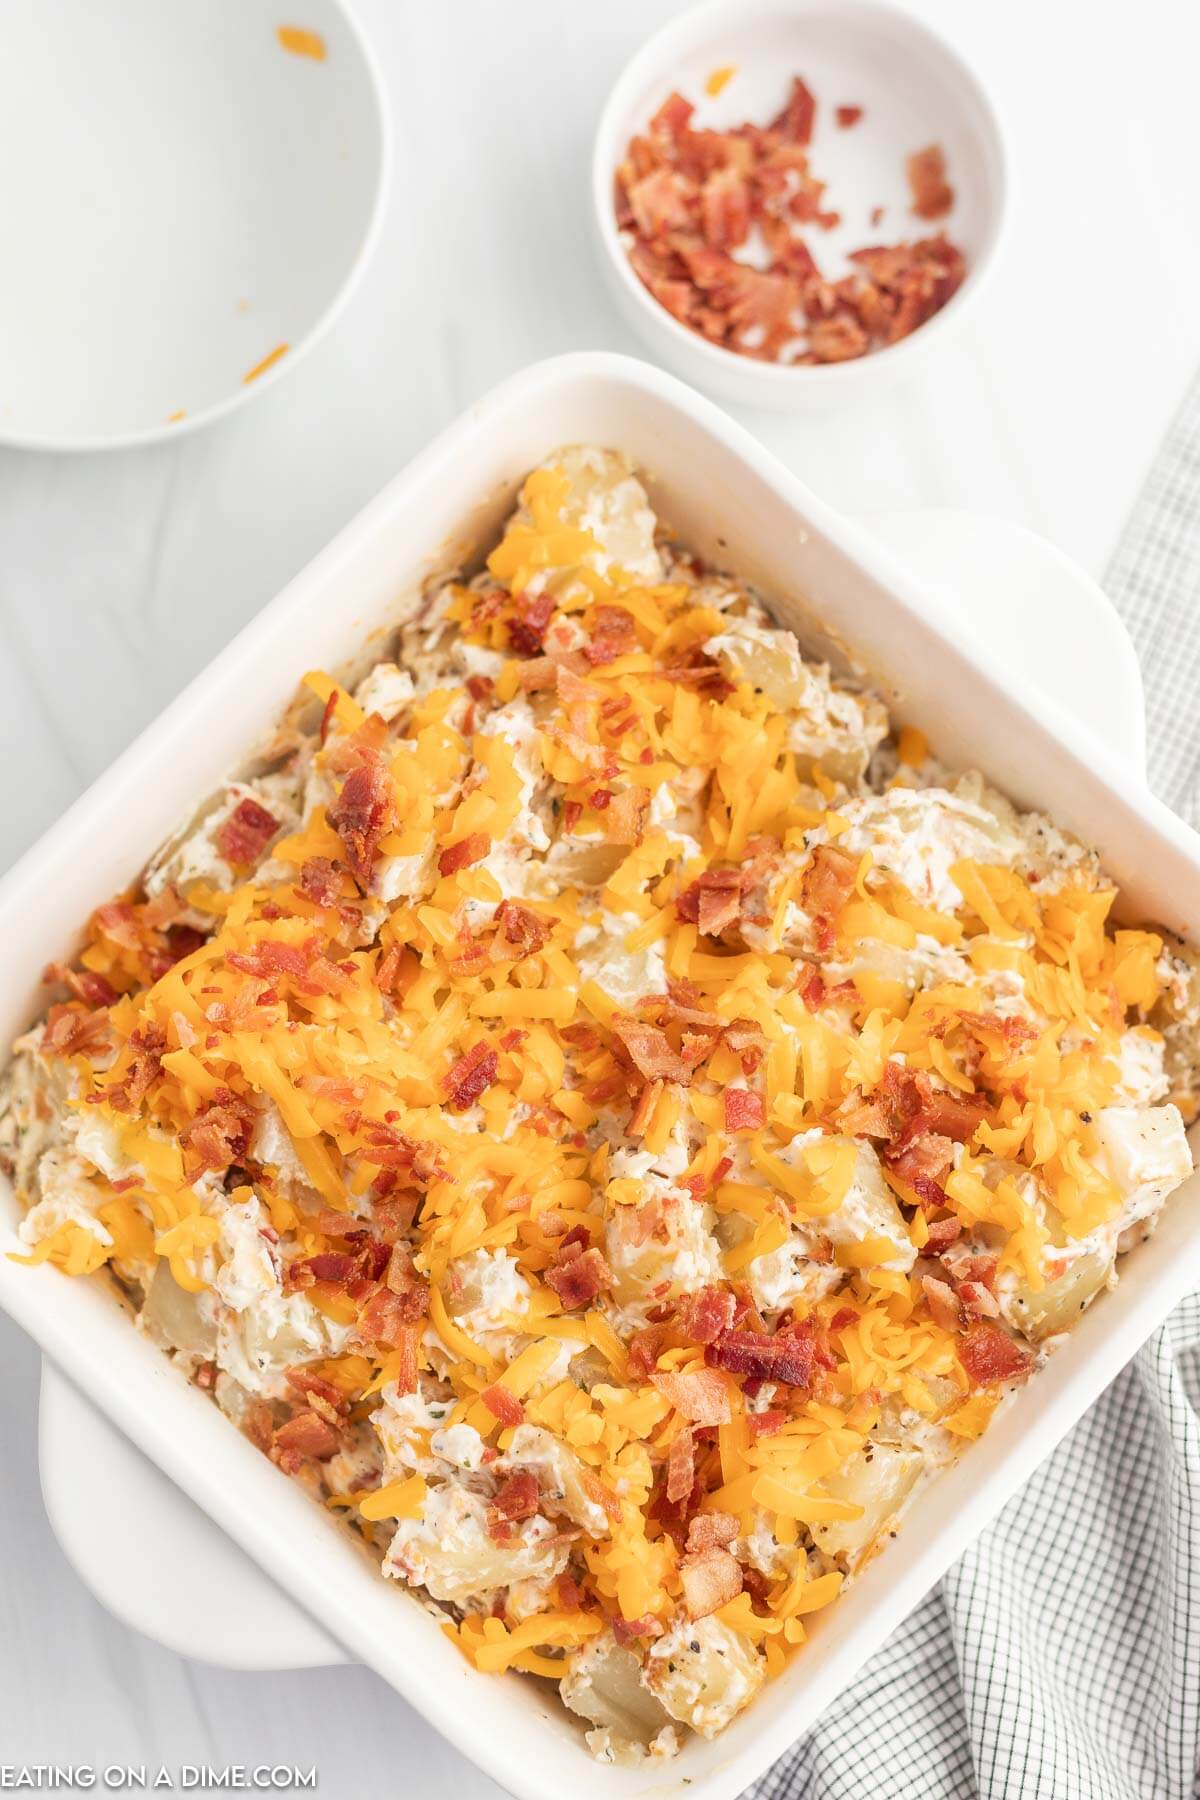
column 737, row 505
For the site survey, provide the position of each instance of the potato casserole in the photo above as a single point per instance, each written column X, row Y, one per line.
column 607, row 1112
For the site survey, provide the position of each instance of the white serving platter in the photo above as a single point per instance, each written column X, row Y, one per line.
column 739, row 507
column 1005, row 581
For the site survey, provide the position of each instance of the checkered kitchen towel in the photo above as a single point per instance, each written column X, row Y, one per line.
column 1060, row 1659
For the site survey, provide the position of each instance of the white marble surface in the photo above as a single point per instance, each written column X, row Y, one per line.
column 119, row 577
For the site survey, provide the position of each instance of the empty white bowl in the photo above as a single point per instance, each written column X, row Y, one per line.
column 914, row 91
column 190, row 195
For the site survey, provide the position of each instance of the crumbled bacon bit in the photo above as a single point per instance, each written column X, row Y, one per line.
column 978, row 1300
column 932, row 195
column 387, row 1318
column 788, row 1356
column 810, row 986
column 928, row 1154
column 614, row 634
column 625, row 816
column 306, row 967
column 335, row 1266
column 766, row 1424
column 795, row 122
column 220, row 1133
column 940, row 1234
column 327, row 716
column 463, row 854
column 70, row 1031
column 931, row 1194
column 471, row 1075
column 946, row 1115
column 943, row 1302
column 520, row 927
column 649, row 1049
column 259, row 1425
column 568, row 1592
column 671, row 119
column 579, row 1279
column 713, row 901
column 315, row 1388
column 363, row 811
column 681, row 1465
column 838, row 339
column 409, row 1289
column 644, row 1348
column 989, row 1355
column 918, row 1121
column 702, row 1317
column 725, row 209
column 710, row 1579
column 182, row 940
column 828, row 881
column 245, row 834
column 711, row 1531
column 147, row 1046
column 503, row 1404
column 320, row 881
column 85, row 984
column 745, row 1110
column 698, row 1395
column 518, row 1497
column 388, row 969
column 304, row 1436
column 686, row 199
column 643, row 1112
column 526, row 633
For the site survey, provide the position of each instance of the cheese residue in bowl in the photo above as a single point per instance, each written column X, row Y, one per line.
column 607, row 1112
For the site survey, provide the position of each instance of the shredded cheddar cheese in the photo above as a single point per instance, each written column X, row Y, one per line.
column 567, row 1126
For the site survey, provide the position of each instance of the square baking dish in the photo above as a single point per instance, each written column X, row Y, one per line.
column 739, row 508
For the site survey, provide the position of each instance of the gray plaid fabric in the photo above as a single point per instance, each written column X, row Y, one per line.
column 1060, row 1659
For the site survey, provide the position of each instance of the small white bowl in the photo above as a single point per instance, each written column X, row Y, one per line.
column 914, row 90
column 185, row 196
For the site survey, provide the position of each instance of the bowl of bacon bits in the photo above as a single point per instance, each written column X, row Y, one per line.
column 784, row 191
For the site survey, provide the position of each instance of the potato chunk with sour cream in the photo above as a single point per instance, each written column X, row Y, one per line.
column 879, row 1479
column 604, row 1685
column 703, row 1673
column 450, row 1552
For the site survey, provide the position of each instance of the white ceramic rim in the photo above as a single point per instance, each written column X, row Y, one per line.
column 242, row 395
column 772, row 379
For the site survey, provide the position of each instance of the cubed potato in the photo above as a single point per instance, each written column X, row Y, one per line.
column 1056, row 1306
column 180, row 1320
column 703, row 1673
column 449, row 1551
column 603, row 1684
column 868, row 1211
column 762, row 655
column 566, row 1486
column 879, row 1479
column 606, row 498
column 1144, row 1150
column 675, row 1245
